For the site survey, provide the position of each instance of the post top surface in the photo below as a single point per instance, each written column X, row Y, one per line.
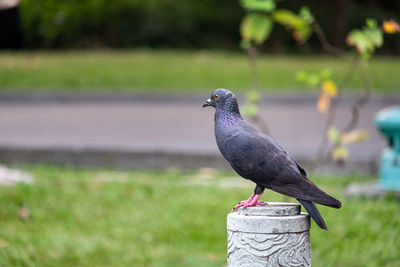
column 276, row 217
column 272, row 209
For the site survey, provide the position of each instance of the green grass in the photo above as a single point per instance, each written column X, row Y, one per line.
column 170, row 218
column 175, row 71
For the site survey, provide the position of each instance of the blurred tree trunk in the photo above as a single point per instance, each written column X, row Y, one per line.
column 10, row 26
column 340, row 22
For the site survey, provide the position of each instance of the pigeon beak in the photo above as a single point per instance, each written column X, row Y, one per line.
column 208, row 103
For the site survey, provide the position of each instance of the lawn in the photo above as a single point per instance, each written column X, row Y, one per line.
column 165, row 71
column 71, row 217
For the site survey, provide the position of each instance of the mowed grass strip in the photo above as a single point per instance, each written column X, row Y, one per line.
column 165, row 71
column 72, row 217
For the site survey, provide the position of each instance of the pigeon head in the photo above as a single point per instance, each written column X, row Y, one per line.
column 222, row 99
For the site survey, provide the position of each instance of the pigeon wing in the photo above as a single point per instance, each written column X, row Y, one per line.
column 259, row 158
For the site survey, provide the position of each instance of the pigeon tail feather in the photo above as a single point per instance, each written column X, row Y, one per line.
column 314, row 213
column 329, row 201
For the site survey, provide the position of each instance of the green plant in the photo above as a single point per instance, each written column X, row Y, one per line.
column 365, row 41
column 255, row 29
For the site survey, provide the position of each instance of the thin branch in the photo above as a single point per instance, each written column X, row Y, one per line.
column 257, row 119
column 261, row 123
column 324, row 148
column 356, row 107
column 251, row 55
column 324, row 41
column 319, row 156
column 360, row 102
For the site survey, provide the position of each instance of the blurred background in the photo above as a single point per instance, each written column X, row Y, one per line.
column 191, row 24
column 108, row 158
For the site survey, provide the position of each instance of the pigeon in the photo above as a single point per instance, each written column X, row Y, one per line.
column 257, row 157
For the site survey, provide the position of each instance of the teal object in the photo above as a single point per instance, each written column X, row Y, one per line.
column 388, row 122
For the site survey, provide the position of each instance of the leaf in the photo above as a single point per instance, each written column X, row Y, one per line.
column 253, row 96
column 333, row 135
column 371, row 23
column 256, row 27
column 288, row 18
column 299, row 25
column 313, row 79
column 259, row 5
column 340, row 153
column 329, row 88
column 375, row 36
column 366, row 40
column 301, row 35
column 358, row 39
column 245, row 44
column 301, row 76
column 306, row 14
column 323, row 102
column 325, row 74
column 250, row 110
column 354, row 136
column 390, row 26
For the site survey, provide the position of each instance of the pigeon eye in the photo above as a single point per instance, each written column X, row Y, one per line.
column 216, row 96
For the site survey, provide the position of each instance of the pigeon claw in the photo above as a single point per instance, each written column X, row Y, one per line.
column 251, row 202
column 258, row 203
column 246, row 205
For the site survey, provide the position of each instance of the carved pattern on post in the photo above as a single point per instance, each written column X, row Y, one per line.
column 255, row 239
column 272, row 249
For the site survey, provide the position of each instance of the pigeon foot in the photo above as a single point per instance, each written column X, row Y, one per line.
column 252, row 201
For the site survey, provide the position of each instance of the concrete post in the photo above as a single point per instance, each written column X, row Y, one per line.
column 273, row 235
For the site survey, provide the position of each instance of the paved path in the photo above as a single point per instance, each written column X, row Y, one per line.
column 152, row 125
